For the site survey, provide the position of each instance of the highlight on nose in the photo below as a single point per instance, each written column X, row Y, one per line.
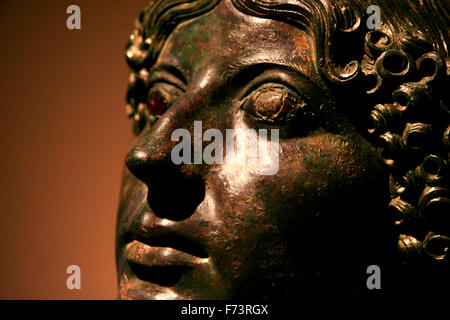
column 136, row 161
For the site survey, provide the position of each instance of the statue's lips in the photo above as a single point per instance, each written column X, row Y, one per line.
column 141, row 254
column 160, row 265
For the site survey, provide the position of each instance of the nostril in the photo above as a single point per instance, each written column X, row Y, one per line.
column 173, row 195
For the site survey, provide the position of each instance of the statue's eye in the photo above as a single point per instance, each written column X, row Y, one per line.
column 273, row 103
column 160, row 97
column 158, row 101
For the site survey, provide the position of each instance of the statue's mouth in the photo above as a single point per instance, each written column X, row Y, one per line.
column 162, row 265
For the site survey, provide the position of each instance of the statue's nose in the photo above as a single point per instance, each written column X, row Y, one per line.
column 174, row 191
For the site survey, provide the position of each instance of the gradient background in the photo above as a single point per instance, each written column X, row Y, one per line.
column 63, row 136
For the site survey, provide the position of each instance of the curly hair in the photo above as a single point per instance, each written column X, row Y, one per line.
column 398, row 76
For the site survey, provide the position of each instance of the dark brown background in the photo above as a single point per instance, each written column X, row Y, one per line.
column 63, row 135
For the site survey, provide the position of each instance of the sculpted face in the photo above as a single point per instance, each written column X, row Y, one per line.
column 200, row 231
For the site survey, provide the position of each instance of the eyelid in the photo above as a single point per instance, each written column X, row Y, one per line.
column 152, row 83
column 167, row 74
column 264, row 79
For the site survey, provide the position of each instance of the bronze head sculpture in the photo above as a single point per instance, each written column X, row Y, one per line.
column 363, row 124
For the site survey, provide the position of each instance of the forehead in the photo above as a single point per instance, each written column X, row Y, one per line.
column 226, row 37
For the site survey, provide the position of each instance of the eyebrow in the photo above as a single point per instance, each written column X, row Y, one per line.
column 245, row 66
column 235, row 70
column 175, row 71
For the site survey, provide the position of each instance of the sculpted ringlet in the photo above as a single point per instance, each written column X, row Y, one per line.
column 363, row 126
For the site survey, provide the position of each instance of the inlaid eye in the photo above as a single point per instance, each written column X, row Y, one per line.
column 273, row 103
column 158, row 101
column 161, row 97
